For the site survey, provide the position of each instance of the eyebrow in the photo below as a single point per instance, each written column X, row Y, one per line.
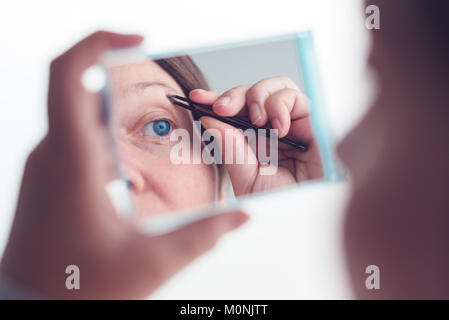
column 145, row 84
column 142, row 85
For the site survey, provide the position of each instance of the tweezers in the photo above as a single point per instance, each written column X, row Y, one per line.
column 233, row 121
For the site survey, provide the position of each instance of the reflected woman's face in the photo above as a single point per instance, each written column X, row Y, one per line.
column 145, row 119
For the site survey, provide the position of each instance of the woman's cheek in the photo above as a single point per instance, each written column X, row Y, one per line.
column 194, row 184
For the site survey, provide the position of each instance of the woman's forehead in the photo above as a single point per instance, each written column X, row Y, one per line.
column 139, row 87
column 140, row 75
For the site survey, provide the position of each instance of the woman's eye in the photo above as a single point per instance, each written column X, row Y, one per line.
column 157, row 128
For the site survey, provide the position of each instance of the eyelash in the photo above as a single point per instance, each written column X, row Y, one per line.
column 142, row 135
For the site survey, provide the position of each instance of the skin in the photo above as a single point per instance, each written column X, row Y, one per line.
column 161, row 186
column 59, row 223
column 272, row 103
column 140, row 97
column 64, row 216
column 398, row 156
column 282, row 106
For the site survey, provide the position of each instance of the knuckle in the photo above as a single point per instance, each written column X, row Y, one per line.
column 303, row 100
column 272, row 102
column 255, row 93
column 233, row 91
column 284, row 78
column 263, row 88
column 279, row 103
column 287, row 82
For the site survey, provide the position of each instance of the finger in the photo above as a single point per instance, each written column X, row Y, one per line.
column 203, row 96
column 231, row 102
column 87, row 51
column 235, row 97
column 259, row 93
column 68, row 103
column 238, row 154
column 172, row 251
column 285, row 106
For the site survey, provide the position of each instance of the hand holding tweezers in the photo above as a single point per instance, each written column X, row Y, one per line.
column 233, row 121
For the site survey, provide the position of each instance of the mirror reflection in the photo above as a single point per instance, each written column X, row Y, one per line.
column 193, row 129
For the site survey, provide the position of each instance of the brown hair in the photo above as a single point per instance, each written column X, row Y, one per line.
column 185, row 72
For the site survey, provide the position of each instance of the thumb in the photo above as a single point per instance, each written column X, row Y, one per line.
column 71, row 110
column 237, row 155
column 75, row 129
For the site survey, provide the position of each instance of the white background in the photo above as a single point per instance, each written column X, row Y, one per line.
column 291, row 248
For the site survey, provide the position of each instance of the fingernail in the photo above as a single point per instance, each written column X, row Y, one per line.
column 223, row 101
column 277, row 125
column 255, row 112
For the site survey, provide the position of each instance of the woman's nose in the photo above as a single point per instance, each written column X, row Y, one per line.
column 135, row 179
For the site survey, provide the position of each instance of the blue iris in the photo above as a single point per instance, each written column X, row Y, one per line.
column 158, row 127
